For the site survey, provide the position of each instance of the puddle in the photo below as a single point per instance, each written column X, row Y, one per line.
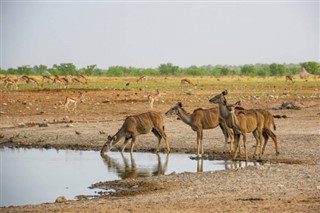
column 32, row 176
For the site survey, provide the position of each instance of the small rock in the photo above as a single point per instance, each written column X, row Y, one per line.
column 43, row 124
column 102, row 132
column 66, row 119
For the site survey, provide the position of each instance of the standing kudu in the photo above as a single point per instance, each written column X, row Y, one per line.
column 268, row 121
column 137, row 125
column 199, row 120
column 242, row 122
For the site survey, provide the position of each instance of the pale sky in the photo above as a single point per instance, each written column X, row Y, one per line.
column 146, row 34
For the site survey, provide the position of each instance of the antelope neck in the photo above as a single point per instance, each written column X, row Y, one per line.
column 184, row 116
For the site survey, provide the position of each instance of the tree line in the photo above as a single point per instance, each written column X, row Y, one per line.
column 168, row 69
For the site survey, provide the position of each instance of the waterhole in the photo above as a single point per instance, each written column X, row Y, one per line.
column 33, row 176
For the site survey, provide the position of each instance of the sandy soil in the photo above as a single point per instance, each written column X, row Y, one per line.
column 289, row 182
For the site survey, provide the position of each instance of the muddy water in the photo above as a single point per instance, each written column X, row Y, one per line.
column 32, row 176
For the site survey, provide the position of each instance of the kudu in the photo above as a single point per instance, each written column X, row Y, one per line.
column 242, row 122
column 137, row 125
column 269, row 122
column 199, row 120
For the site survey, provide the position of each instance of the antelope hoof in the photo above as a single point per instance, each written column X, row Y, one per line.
column 277, row 153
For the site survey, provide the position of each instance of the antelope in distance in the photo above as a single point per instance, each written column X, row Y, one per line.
column 186, row 81
column 199, row 120
column 242, row 121
column 8, row 82
column 46, row 79
column 73, row 100
column 142, row 78
column 289, row 78
column 77, row 80
column 269, row 122
column 135, row 125
column 152, row 99
column 30, row 80
column 60, row 81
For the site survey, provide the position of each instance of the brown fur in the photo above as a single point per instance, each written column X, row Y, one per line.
column 241, row 121
column 137, row 125
column 199, row 120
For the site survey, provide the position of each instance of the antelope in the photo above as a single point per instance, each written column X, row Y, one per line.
column 199, row 120
column 47, row 79
column 151, row 101
column 60, row 81
column 152, row 98
column 78, row 81
column 30, row 80
column 84, row 78
column 135, row 125
column 73, row 100
column 142, row 78
column 186, row 81
column 242, row 122
column 289, row 78
column 268, row 121
column 10, row 82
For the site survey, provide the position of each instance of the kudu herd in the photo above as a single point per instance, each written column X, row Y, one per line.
column 233, row 120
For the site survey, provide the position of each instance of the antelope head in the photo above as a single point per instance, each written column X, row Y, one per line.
column 174, row 110
column 108, row 145
column 219, row 99
column 232, row 107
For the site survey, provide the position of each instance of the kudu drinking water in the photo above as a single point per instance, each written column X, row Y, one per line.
column 137, row 125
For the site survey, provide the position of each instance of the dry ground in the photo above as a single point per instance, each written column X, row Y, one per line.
column 291, row 183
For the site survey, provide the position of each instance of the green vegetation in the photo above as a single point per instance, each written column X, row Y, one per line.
column 169, row 69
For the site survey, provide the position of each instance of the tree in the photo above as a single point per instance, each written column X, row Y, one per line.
column 277, row 69
column 89, row 70
column 312, row 67
column 194, row 70
column 248, row 70
column 24, row 70
column 66, row 68
column 39, row 69
column 116, row 71
column 168, row 69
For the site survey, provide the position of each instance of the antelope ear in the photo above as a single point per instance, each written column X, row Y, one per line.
column 238, row 103
column 225, row 92
column 179, row 104
column 114, row 137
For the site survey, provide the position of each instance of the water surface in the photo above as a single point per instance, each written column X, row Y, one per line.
column 32, row 176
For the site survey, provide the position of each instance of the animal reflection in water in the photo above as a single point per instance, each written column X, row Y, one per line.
column 228, row 164
column 129, row 169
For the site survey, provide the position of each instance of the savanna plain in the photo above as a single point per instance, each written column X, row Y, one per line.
column 288, row 182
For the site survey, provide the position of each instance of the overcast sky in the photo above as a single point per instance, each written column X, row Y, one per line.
column 146, row 34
